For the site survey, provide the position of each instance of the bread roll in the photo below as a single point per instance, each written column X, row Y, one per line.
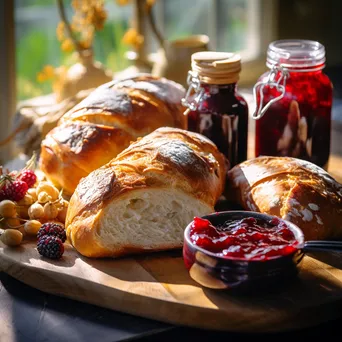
column 290, row 188
column 104, row 123
column 143, row 199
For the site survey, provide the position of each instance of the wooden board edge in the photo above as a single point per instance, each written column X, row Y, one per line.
column 201, row 318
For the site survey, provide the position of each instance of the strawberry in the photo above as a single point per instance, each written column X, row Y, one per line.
column 28, row 176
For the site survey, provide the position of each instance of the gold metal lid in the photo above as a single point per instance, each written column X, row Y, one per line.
column 216, row 67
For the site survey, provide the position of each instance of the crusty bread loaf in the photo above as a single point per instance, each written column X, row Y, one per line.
column 103, row 124
column 290, row 188
column 143, row 199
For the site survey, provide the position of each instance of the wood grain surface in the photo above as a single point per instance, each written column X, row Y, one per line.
column 157, row 286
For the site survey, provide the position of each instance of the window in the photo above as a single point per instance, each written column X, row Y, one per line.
column 37, row 45
column 243, row 26
column 232, row 25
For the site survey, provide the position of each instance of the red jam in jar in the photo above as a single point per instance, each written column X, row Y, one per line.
column 215, row 108
column 248, row 239
column 294, row 101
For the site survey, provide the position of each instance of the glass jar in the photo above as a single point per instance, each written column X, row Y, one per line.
column 215, row 108
column 294, row 100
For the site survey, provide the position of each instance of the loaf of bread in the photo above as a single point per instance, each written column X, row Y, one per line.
column 292, row 189
column 104, row 123
column 143, row 199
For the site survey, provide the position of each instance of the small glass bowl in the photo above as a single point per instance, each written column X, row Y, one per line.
column 217, row 272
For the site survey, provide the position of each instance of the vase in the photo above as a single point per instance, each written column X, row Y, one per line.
column 85, row 74
column 173, row 61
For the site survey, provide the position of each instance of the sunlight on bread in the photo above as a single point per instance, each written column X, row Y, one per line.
column 290, row 188
column 116, row 113
column 143, row 199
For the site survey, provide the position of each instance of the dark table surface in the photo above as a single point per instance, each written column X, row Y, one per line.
column 27, row 314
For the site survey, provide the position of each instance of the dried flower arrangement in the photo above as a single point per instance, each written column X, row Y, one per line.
column 72, row 84
column 77, row 36
column 135, row 35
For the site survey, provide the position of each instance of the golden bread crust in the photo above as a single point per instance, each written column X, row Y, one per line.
column 104, row 123
column 167, row 158
column 292, row 189
column 72, row 150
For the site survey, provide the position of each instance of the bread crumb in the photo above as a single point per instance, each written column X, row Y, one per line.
column 307, row 215
column 313, row 206
column 319, row 220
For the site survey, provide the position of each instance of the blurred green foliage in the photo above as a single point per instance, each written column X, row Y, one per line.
column 32, row 54
column 37, row 46
column 108, row 47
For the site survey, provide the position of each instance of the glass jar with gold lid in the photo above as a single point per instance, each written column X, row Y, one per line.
column 215, row 108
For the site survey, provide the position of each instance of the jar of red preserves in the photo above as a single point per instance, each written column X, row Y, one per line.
column 293, row 103
column 215, row 108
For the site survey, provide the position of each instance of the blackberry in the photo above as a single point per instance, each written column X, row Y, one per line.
column 52, row 229
column 50, row 246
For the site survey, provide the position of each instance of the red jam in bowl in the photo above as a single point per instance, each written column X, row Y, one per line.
column 248, row 239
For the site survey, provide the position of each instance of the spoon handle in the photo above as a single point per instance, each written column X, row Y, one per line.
column 322, row 246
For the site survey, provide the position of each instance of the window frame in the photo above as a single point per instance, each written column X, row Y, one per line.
column 265, row 30
column 253, row 69
column 8, row 75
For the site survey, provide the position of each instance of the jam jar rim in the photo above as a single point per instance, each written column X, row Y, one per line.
column 308, row 54
column 298, row 233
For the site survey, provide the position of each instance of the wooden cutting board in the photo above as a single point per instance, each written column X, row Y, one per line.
column 158, row 286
